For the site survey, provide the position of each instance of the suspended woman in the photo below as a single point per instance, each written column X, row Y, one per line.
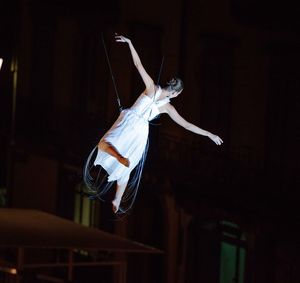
column 124, row 146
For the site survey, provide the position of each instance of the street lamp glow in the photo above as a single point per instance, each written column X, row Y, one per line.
column 1, row 61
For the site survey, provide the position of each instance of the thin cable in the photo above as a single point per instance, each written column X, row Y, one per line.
column 112, row 75
column 157, row 83
column 160, row 69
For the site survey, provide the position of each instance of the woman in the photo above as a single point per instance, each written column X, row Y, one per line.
column 124, row 147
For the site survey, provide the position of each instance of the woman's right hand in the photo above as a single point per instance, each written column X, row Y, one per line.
column 121, row 38
column 137, row 62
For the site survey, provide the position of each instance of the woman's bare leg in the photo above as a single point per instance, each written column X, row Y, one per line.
column 111, row 150
column 121, row 186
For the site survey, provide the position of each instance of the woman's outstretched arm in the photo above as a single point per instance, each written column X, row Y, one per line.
column 137, row 62
column 175, row 116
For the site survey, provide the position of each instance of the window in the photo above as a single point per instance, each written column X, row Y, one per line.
column 233, row 254
column 3, row 197
column 84, row 207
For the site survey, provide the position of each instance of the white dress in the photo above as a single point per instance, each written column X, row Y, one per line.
column 129, row 135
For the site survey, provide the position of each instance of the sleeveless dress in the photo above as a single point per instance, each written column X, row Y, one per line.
column 129, row 135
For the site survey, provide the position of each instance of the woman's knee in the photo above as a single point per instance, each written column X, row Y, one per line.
column 103, row 145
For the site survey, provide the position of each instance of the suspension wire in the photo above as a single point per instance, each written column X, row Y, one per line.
column 113, row 78
column 160, row 69
column 112, row 75
column 157, row 83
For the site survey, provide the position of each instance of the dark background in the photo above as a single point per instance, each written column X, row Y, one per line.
column 239, row 61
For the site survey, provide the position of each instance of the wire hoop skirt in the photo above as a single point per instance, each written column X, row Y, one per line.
column 129, row 135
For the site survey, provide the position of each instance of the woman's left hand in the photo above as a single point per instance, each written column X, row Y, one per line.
column 216, row 139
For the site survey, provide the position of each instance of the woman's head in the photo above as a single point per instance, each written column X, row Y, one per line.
column 174, row 87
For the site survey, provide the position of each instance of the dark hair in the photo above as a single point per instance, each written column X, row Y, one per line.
column 175, row 84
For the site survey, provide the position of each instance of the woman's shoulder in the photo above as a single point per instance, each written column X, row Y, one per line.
column 151, row 90
column 165, row 107
column 157, row 87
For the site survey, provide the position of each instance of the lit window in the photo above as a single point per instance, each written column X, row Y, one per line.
column 84, row 207
column 233, row 254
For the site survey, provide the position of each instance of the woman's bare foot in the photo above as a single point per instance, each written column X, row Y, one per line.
column 124, row 161
column 115, row 205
